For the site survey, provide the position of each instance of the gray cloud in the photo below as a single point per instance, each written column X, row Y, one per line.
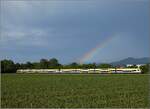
column 69, row 29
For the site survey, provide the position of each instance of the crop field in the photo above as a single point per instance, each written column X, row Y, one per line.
column 76, row 90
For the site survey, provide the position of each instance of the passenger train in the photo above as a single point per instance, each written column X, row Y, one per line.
column 100, row 71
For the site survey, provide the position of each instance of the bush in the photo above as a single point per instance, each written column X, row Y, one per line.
column 8, row 66
column 145, row 68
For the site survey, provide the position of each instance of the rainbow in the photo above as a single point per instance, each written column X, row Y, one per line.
column 91, row 53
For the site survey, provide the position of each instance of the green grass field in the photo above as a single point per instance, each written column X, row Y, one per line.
column 49, row 90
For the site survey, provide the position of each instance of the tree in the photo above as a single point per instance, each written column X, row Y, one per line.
column 44, row 63
column 104, row 66
column 8, row 66
column 53, row 63
column 84, row 66
column 29, row 65
column 23, row 66
column 17, row 66
column 93, row 65
column 145, row 68
column 74, row 65
column 36, row 65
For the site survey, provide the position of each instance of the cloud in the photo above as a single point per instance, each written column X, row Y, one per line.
column 34, row 37
column 67, row 29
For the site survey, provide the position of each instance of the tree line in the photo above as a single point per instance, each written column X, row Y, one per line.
column 8, row 66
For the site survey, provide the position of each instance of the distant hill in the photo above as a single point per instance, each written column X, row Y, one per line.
column 131, row 60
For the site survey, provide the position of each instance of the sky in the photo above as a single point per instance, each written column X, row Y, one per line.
column 74, row 31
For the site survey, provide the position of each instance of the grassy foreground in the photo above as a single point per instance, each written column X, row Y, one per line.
column 45, row 90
